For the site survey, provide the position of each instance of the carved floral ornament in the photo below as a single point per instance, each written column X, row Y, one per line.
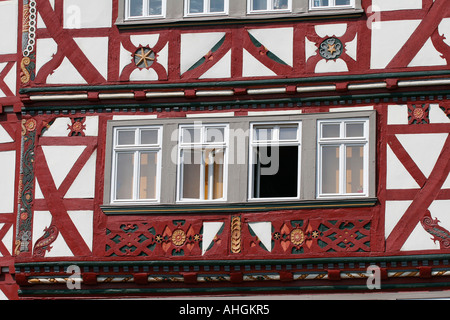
column 331, row 48
column 144, row 57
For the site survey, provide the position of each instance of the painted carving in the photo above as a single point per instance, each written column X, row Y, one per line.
column 77, row 127
column 418, row 114
column 42, row 245
column 331, row 48
column 144, row 57
column 236, row 234
column 439, row 233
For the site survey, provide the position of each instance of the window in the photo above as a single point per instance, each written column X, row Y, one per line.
column 136, row 164
column 202, row 162
column 274, row 161
column 343, row 148
column 145, row 8
column 201, row 7
column 331, row 3
column 256, row 6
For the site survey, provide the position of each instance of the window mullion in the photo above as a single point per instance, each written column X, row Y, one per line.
column 136, row 184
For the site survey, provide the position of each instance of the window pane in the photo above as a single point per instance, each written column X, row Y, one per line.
column 136, row 8
column 147, row 178
column 280, row 4
column 354, row 130
column 214, row 165
column 149, row 136
column 155, row 7
column 124, row 176
column 192, row 160
column 330, row 169
column 259, row 5
column 320, row 3
column 288, row 133
column 342, row 2
column 191, row 135
column 217, row 6
column 355, row 169
column 264, row 134
column 125, row 137
column 196, row 6
column 275, row 173
column 215, row 135
column 331, row 130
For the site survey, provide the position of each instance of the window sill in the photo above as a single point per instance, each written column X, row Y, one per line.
column 202, row 20
column 137, row 209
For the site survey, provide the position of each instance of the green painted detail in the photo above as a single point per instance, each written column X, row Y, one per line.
column 203, row 59
column 269, row 54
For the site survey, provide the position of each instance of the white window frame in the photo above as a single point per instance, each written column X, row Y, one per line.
column 342, row 142
column 331, row 5
column 136, row 148
column 202, row 145
column 206, row 9
column 253, row 143
column 145, row 13
column 270, row 6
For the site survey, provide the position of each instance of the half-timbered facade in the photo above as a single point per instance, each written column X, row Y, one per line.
column 152, row 148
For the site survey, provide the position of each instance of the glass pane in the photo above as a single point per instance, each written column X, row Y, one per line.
column 125, row 137
column 264, row 134
column 330, row 169
column 149, row 136
column 214, row 166
column 192, row 160
column 355, row 169
column 136, row 8
column 155, row 7
column 288, row 133
column 320, row 3
column 259, row 5
column 342, row 2
column 280, row 4
column 191, row 135
column 217, row 6
column 331, row 130
column 354, row 130
column 196, row 6
column 147, row 177
column 215, row 135
column 124, row 176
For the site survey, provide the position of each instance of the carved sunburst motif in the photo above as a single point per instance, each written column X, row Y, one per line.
column 144, row 57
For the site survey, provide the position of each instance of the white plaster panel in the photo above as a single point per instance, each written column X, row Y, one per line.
column 194, row 46
column 221, row 69
column 3, row 297
column 351, row 48
column 8, row 239
column 7, row 178
column 59, row 248
column 444, row 29
column 428, row 56
column 45, row 49
column 420, row 240
column 143, row 75
column 446, row 184
column 134, row 117
column 84, row 184
column 424, row 149
column 60, row 160
column 436, row 114
column 8, row 25
column 210, row 230
column 59, row 128
column 440, row 209
column 392, row 5
column 253, row 68
column 4, row 136
column 1, row 226
column 388, row 37
column 144, row 40
column 310, row 49
column 10, row 79
column 125, row 57
column 96, row 50
column 66, row 74
column 263, row 231
column 91, row 123
column 397, row 177
column 41, row 221
column 330, row 30
column 394, row 210
column 325, row 66
column 279, row 41
column 37, row 190
column 163, row 57
column 87, row 14
column 397, row 114
column 346, row 109
column 84, row 222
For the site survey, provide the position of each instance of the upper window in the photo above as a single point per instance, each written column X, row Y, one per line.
column 205, row 7
column 343, row 158
column 202, row 162
column 274, row 161
column 262, row 6
column 136, row 164
column 145, row 8
column 331, row 3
